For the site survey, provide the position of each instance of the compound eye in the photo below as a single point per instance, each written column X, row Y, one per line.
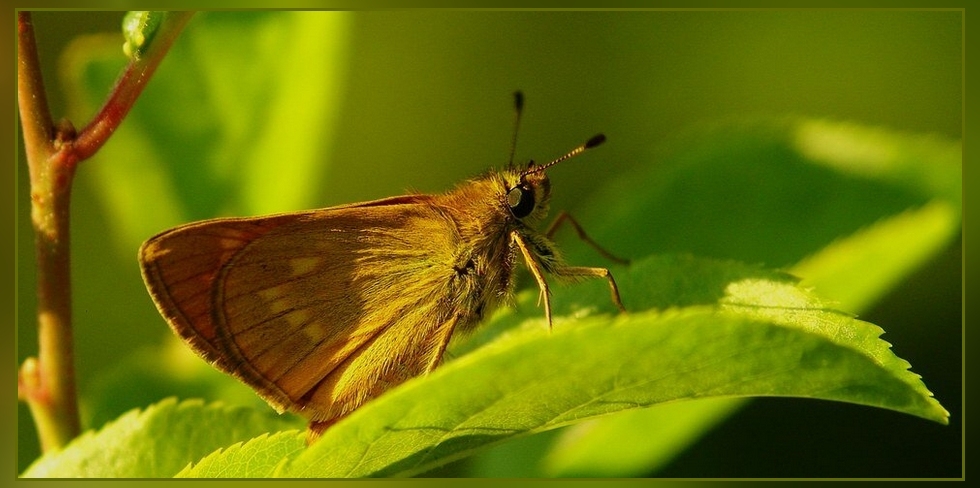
column 521, row 201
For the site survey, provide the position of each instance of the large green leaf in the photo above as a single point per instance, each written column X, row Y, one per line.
column 701, row 329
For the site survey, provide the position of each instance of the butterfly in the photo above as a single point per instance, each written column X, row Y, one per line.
column 321, row 311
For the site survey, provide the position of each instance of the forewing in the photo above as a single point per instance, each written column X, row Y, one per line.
column 318, row 311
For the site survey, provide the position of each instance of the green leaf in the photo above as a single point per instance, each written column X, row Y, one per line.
column 257, row 458
column 764, row 337
column 156, row 442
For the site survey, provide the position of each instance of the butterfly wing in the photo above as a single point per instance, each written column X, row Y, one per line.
column 317, row 311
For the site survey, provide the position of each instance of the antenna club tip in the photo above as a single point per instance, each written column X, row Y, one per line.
column 519, row 100
column 595, row 141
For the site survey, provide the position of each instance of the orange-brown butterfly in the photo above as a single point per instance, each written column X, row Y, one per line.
column 323, row 310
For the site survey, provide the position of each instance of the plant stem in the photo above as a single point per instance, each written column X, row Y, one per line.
column 47, row 383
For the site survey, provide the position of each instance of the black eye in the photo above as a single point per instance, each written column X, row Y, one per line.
column 521, row 201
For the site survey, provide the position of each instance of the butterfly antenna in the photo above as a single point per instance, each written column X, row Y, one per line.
column 593, row 142
column 518, row 108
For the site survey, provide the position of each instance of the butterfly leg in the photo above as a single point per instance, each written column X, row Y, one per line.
column 581, row 271
column 535, row 268
column 566, row 217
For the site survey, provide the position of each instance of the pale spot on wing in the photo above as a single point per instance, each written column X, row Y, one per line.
column 304, row 266
column 298, row 318
column 315, row 334
column 276, row 298
column 302, row 320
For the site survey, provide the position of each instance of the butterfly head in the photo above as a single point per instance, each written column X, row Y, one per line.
column 529, row 191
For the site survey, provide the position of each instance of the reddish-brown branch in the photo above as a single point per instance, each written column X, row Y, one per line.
column 129, row 86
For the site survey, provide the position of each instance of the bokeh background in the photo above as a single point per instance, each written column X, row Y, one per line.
column 422, row 100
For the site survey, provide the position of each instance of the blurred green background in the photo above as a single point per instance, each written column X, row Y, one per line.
column 383, row 102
